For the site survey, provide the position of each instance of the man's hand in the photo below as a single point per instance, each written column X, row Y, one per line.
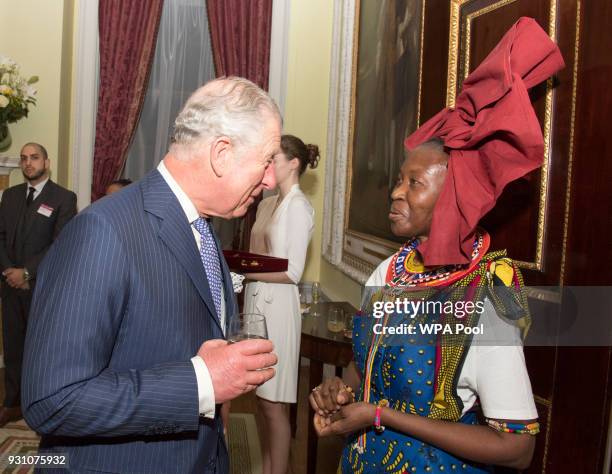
column 15, row 277
column 237, row 368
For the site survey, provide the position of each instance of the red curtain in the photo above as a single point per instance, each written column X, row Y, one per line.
column 128, row 33
column 240, row 34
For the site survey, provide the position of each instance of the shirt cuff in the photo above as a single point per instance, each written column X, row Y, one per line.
column 206, row 391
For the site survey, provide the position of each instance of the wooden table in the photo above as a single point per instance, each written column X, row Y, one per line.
column 321, row 346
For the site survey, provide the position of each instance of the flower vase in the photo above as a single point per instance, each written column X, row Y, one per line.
column 5, row 137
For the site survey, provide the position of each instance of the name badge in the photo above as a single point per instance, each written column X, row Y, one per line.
column 45, row 210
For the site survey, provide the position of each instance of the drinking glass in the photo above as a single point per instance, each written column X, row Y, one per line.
column 348, row 324
column 315, row 292
column 335, row 319
column 247, row 326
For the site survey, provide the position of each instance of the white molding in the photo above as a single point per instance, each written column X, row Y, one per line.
column 85, row 101
column 338, row 130
column 339, row 120
column 8, row 164
column 279, row 52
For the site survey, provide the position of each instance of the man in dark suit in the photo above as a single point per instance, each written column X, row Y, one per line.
column 126, row 365
column 32, row 215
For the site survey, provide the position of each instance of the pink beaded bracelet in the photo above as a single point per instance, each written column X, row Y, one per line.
column 378, row 427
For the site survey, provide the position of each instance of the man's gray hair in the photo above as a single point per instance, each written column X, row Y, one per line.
column 229, row 106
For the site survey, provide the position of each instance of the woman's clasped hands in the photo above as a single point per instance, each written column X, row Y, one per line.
column 336, row 412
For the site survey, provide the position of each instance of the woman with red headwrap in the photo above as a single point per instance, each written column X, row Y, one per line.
column 408, row 402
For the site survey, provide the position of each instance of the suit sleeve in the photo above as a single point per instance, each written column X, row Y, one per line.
column 67, row 210
column 5, row 262
column 75, row 319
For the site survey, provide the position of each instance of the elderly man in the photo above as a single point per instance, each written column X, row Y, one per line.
column 32, row 214
column 126, row 366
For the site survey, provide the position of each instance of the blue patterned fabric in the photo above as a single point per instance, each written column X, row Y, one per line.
column 121, row 305
column 210, row 259
column 404, row 374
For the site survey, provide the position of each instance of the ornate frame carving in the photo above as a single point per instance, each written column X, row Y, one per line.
column 337, row 136
column 354, row 253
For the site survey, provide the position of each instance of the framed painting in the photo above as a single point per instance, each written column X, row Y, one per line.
column 374, row 104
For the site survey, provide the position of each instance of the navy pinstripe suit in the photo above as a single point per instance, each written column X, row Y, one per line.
column 121, row 305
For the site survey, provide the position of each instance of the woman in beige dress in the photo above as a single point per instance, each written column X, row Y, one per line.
column 283, row 228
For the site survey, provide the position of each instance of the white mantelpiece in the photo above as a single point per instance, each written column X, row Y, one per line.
column 8, row 164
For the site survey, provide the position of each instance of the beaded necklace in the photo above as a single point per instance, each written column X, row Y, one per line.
column 406, row 269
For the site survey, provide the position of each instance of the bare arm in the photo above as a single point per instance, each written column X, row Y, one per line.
column 475, row 442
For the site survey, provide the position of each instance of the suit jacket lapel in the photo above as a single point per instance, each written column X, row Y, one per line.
column 176, row 234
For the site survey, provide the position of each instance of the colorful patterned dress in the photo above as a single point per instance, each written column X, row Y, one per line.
column 418, row 373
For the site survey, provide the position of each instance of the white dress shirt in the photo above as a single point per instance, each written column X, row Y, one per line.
column 206, row 393
column 37, row 189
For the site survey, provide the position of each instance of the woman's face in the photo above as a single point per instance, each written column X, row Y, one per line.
column 283, row 167
column 418, row 187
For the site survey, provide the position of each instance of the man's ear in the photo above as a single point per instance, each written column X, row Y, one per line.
column 221, row 152
column 47, row 164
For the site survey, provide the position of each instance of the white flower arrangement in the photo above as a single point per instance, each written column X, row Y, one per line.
column 16, row 93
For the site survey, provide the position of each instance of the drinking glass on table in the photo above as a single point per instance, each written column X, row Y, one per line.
column 348, row 324
column 335, row 319
column 247, row 326
column 315, row 292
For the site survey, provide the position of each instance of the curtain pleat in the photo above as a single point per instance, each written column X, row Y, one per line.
column 128, row 32
column 240, row 32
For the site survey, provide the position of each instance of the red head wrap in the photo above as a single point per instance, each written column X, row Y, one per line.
column 493, row 135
